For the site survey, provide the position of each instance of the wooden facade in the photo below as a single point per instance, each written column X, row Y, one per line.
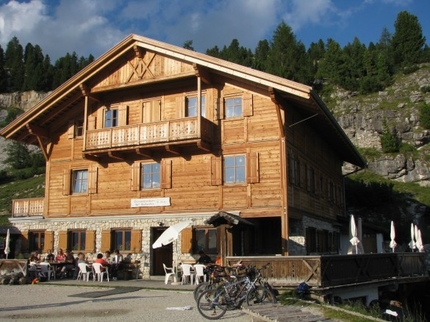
column 150, row 134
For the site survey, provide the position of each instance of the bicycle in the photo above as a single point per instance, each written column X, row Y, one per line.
column 213, row 303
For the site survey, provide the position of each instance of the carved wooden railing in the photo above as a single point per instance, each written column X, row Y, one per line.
column 28, row 207
column 149, row 133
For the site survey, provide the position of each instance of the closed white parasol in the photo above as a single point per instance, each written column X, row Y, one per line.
column 393, row 243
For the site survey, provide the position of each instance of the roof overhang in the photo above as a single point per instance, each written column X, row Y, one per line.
column 225, row 218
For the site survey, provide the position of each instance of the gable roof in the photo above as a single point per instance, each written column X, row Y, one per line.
column 66, row 96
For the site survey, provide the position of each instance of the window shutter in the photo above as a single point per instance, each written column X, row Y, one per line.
column 216, row 171
column 187, row 240
column 156, row 110
column 253, row 175
column 66, row 182
column 92, row 179
column 100, row 117
column 180, row 106
column 122, row 115
column 71, row 129
column 90, row 241
column 166, row 174
column 247, row 104
column 91, row 122
column 49, row 241
column 135, row 176
column 136, row 241
column 219, row 104
column 62, row 240
column 106, row 238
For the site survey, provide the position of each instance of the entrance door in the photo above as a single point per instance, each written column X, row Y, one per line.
column 160, row 255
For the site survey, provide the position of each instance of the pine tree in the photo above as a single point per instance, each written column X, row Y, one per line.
column 3, row 74
column 14, row 64
column 408, row 41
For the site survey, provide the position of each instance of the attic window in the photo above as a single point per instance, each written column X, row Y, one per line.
column 233, row 107
column 79, row 128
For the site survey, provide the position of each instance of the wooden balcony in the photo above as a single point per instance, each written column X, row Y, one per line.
column 28, row 207
column 145, row 135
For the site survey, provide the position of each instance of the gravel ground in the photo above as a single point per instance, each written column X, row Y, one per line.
column 80, row 303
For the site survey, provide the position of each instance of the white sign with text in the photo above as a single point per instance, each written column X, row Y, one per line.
column 150, row 202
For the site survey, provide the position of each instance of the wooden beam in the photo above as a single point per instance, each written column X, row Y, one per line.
column 172, row 149
column 42, row 147
column 274, row 97
column 203, row 73
column 37, row 131
column 140, row 52
column 116, row 155
column 90, row 157
column 202, row 145
column 144, row 152
column 86, row 92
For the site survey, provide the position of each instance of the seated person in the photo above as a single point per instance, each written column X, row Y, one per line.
column 60, row 256
column 116, row 264
column 49, row 257
column 204, row 259
column 69, row 270
column 102, row 261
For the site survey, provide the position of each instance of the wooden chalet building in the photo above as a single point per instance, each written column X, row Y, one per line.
column 151, row 134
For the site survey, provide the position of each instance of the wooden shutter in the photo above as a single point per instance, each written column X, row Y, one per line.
column 180, row 106
column 219, row 105
column 136, row 241
column 71, row 129
column 91, row 122
column 62, row 240
column 49, row 241
column 100, row 117
column 106, row 241
column 92, row 179
column 187, row 240
column 156, row 111
column 166, row 174
column 253, row 173
column 216, row 171
column 247, row 104
column 66, row 182
column 122, row 115
column 135, row 176
column 90, row 241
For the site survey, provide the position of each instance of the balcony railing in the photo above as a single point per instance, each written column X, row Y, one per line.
column 150, row 133
column 28, row 207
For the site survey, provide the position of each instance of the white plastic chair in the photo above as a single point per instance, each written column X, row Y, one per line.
column 186, row 272
column 99, row 274
column 200, row 272
column 84, row 272
column 47, row 270
column 168, row 273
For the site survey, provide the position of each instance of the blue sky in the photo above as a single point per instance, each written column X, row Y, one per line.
column 94, row 26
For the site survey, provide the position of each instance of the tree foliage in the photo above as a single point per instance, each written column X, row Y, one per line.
column 424, row 113
column 390, row 140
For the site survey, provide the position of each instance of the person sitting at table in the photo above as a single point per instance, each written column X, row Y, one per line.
column 204, row 259
column 32, row 265
column 116, row 264
column 49, row 257
column 70, row 268
column 60, row 256
column 101, row 260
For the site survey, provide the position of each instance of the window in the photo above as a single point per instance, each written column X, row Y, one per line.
column 79, row 181
column 76, row 240
column 233, row 107
column 121, row 240
column 191, row 106
column 206, row 240
column 111, row 117
column 150, row 175
column 234, row 169
column 36, row 240
column 310, row 179
column 79, row 128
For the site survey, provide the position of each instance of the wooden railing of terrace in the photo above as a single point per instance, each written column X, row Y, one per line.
column 335, row 270
column 184, row 129
column 28, row 207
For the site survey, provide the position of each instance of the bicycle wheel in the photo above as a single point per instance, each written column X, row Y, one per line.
column 260, row 295
column 212, row 304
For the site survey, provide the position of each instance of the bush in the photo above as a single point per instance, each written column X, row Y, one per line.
column 424, row 114
column 390, row 140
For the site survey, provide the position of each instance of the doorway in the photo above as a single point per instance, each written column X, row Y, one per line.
column 160, row 255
